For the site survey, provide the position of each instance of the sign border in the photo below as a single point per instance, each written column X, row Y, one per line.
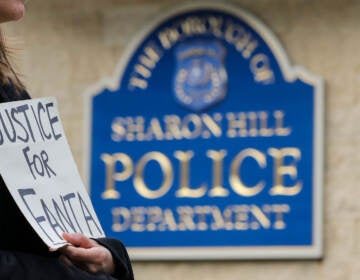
column 290, row 73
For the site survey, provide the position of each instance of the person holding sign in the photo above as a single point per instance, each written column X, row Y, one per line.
column 23, row 254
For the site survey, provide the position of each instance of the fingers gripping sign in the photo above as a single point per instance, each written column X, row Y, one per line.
column 86, row 254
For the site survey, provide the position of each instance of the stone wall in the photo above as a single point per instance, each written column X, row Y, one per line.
column 63, row 46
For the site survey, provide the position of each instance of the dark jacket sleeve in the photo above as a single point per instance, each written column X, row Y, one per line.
column 123, row 268
column 24, row 266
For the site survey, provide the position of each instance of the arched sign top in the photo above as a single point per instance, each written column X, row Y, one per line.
column 289, row 72
column 206, row 139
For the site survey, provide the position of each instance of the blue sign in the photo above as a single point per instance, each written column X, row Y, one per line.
column 207, row 143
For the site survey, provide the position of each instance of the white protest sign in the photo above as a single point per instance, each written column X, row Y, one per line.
column 38, row 168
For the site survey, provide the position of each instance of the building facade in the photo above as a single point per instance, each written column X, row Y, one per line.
column 63, row 47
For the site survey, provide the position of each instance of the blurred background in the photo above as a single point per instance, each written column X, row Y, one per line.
column 62, row 47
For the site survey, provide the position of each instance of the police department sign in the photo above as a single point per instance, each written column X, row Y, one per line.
column 207, row 143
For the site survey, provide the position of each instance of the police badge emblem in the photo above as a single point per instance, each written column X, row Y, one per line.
column 200, row 77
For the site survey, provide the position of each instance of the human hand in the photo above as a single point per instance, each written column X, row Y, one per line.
column 86, row 254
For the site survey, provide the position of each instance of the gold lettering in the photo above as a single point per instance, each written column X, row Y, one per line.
column 249, row 49
column 236, row 125
column 264, row 129
column 173, row 130
column 253, row 120
column 138, row 219
column 217, row 157
column 215, row 26
column 241, row 216
column 237, row 36
column 193, row 26
column 134, row 128
column 235, row 181
column 154, row 215
column 201, row 217
column 168, row 37
column 118, row 129
column 150, row 58
column 260, row 217
column 201, row 213
column 280, row 130
column 154, row 129
column 186, row 218
column 184, row 189
column 279, row 211
column 219, row 222
column 121, row 219
column 168, row 221
column 111, row 176
column 281, row 170
column 191, row 126
column 142, row 70
column 136, row 82
column 212, row 124
column 260, row 67
column 228, row 213
column 166, row 169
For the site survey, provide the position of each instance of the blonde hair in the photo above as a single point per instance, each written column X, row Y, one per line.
column 7, row 72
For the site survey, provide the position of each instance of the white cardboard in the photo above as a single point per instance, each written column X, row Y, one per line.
column 40, row 173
